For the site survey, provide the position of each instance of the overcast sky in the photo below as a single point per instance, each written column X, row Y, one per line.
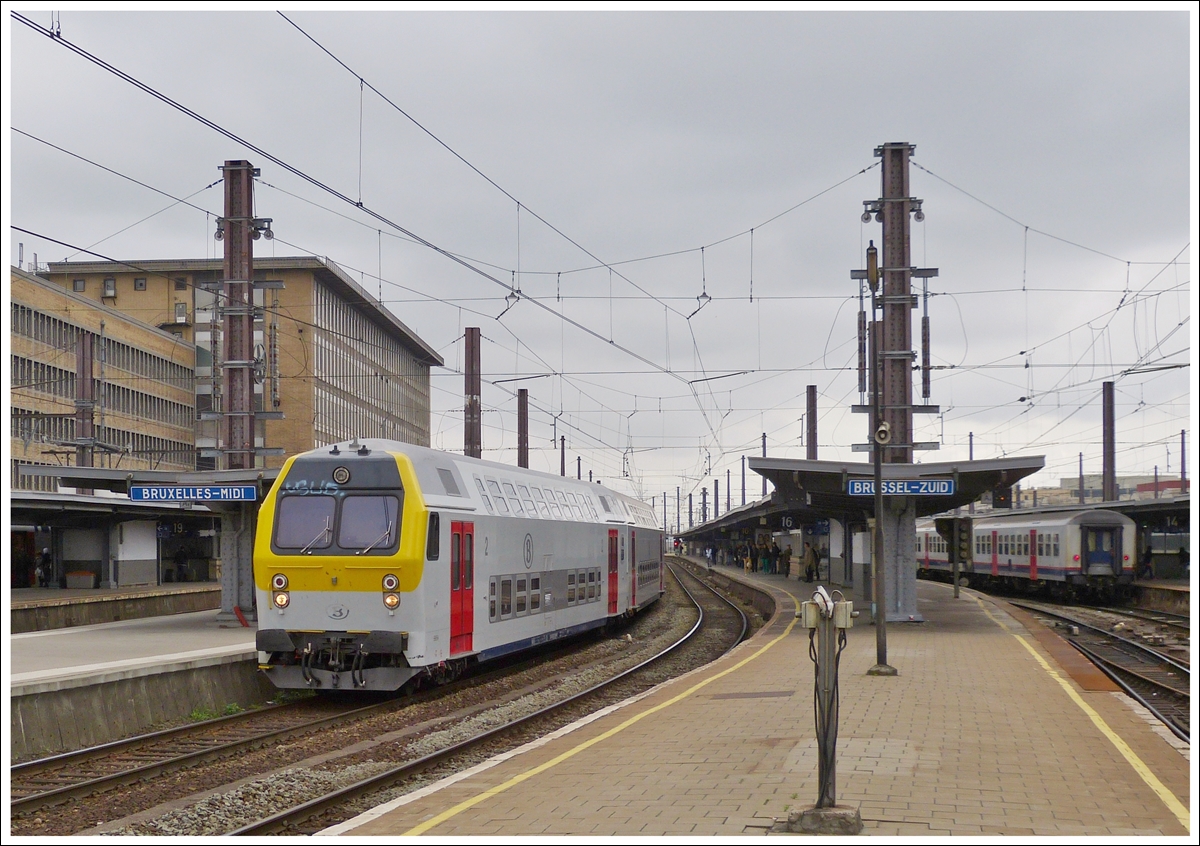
column 1053, row 152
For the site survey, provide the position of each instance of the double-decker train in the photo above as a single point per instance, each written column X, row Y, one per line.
column 1092, row 551
column 380, row 563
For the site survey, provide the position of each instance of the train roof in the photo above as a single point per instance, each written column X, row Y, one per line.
column 1091, row 517
column 444, row 483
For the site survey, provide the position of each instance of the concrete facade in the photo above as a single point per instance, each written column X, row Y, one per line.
column 333, row 361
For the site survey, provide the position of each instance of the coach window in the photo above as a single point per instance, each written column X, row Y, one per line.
column 571, row 588
column 562, row 500
column 512, row 499
column 591, row 584
column 1056, row 544
column 505, row 598
column 305, row 522
column 492, row 599
column 535, row 594
column 543, row 509
column 494, row 487
column 553, row 505
column 483, row 493
column 575, row 507
column 522, row 596
column 369, row 522
column 433, row 541
column 530, row 508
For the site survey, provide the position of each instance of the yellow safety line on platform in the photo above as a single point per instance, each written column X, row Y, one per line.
column 1174, row 805
column 587, row 744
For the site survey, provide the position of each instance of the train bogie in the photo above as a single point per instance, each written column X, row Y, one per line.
column 378, row 563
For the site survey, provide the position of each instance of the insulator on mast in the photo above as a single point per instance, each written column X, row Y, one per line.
column 925, row 356
column 862, row 351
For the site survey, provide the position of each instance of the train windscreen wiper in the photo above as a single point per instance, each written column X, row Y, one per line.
column 386, row 533
column 320, row 535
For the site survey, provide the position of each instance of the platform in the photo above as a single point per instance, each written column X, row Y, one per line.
column 85, row 685
column 40, row 609
column 985, row 731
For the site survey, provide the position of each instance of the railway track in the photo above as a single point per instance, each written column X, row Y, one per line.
column 347, row 802
column 1156, row 680
column 1178, row 622
column 143, row 778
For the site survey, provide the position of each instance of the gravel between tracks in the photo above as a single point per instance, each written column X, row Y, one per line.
column 220, row 797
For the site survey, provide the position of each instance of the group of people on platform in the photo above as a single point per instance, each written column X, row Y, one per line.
column 766, row 559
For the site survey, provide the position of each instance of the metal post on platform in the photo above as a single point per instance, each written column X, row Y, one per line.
column 826, row 621
column 881, row 438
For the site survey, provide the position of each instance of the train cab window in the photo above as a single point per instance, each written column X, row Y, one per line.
column 535, row 594
column 492, row 599
column 505, row 598
column 483, row 493
column 522, row 596
column 369, row 522
column 305, row 522
column 501, row 505
column 571, row 588
column 433, row 539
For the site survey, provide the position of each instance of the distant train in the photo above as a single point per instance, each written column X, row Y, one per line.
column 380, row 563
column 1071, row 552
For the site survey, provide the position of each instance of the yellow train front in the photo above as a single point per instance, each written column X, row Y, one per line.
column 378, row 563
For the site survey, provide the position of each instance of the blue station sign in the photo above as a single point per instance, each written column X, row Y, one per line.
column 193, row 493
column 902, row 487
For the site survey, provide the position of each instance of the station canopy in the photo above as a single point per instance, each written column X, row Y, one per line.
column 807, row 491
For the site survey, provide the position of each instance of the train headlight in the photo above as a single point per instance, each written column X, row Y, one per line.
column 390, row 582
column 391, row 600
column 281, row 600
column 279, row 582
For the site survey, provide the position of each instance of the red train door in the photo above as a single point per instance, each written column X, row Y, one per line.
column 1032, row 554
column 462, row 587
column 633, row 570
column 612, row 571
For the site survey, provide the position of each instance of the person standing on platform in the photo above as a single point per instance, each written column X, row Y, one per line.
column 786, row 562
column 810, row 562
column 45, row 569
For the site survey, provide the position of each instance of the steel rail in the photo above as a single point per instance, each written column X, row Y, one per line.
column 154, row 769
column 1155, row 654
column 298, row 814
column 1114, row 670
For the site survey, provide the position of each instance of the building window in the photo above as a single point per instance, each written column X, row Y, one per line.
column 110, row 286
column 139, row 284
column 181, row 284
column 80, row 285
